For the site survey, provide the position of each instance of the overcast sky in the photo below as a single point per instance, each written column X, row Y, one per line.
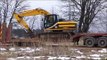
column 49, row 5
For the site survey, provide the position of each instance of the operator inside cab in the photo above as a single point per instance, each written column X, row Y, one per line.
column 50, row 20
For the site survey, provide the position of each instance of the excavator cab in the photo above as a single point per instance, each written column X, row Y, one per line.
column 50, row 20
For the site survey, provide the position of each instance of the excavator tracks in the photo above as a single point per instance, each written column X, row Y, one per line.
column 43, row 39
column 55, row 36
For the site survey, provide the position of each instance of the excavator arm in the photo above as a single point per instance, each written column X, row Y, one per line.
column 22, row 22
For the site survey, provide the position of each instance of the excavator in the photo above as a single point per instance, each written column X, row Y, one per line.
column 55, row 29
column 53, row 25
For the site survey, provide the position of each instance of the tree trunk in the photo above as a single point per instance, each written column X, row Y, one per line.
column 85, row 28
column 82, row 16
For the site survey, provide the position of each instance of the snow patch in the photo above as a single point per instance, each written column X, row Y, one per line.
column 103, row 51
column 2, row 49
column 12, row 49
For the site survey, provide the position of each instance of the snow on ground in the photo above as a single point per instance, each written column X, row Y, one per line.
column 37, row 53
column 39, row 57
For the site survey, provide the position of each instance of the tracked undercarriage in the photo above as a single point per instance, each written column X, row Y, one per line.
column 55, row 36
column 44, row 39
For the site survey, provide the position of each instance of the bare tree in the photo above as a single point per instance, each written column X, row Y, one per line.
column 100, row 22
column 88, row 10
column 9, row 7
column 69, row 10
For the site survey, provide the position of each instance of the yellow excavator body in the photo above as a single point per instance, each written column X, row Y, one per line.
column 58, row 25
column 64, row 25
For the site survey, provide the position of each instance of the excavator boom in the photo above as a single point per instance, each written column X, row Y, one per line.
column 34, row 12
column 22, row 22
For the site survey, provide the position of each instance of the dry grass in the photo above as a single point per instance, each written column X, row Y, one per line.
column 63, row 48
